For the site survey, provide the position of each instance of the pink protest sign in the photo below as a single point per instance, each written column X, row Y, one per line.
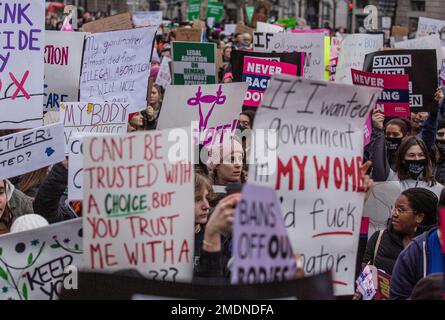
column 257, row 72
column 394, row 99
column 261, row 247
column 367, row 131
column 325, row 31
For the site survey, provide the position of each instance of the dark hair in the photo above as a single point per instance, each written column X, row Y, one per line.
column 402, row 173
column 250, row 114
column 404, row 125
column 441, row 124
column 423, row 201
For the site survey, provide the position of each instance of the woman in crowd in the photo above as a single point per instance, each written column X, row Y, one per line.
column 30, row 182
column 439, row 171
column 413, row 213
column 420, row 259
column 151, row 114
column 135, row 122
column 203, row 195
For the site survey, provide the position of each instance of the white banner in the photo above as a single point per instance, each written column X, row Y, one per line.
column 147, row 18
column 427, row 42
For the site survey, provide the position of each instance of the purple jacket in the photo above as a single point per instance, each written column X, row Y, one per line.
column 411, row 266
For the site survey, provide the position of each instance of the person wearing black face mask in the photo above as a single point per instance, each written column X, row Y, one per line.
column 440, row 152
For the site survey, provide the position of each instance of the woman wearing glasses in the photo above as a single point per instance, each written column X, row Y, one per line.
column 414, row 212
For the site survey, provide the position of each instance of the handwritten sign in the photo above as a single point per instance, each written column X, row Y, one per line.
column 257, row 72
column 229, row 29
column 312, row 44
column 394, row 100
column 314, row 166
column 147, row 18
column 261, row 246
column 188, row 34
column 75, row 167
column 164, row 77
column 194, row 63
column 428, row 26
column 419, row 65
column 215, row 108
column 116, row 67
column 93, row 117
column 428, row 42
column 21, row 74
column 63, row 56
column 117, row 22
column 352, row 54
column 34, row 263
column 30, row 150
column 137, row 205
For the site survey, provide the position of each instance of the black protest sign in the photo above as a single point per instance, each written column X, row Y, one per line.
column 419, row 65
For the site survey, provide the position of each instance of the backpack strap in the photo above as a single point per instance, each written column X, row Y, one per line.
column 377, row 245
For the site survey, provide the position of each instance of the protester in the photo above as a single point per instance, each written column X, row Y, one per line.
column 440, row 153
column 225, row 162
column 135, row 122
column 151, row 114
column 203, row 194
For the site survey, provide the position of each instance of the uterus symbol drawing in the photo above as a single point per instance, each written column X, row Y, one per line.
column 199, row 99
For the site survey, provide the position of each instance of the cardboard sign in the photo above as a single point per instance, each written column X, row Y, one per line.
column 399, row 32
column 312, row 44
column 215, row 10
column 313, row 162
column 147, row 18
column 428, row 42
column 30, row 150
column 353, row 50
column 394, row 100
column 379, row 204
column 194, row 63
column 21, row 67
column 116, row 67
column 419, row 65
column 428, row 26
column 261, row 248
column 214, row 108
column 137, row 205
column 93, row 117
column 34, row 263
column 257, row 72
column 194, row 10
column 188, row 34
column 164, row 75
column 267, row 27
column 63, row 56
column 117, row 22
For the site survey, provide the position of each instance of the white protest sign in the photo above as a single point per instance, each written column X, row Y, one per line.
column 215, row 107
column 30, row 150
column 314, row 164
column 229, row 29
column 63, row 56
column 116, row 67
column 267, row 27
column 21, row 67
column 36, row 264
column 93, row 117
column 75, row 167
column 428, row 26
column 310, row 43
column 164, row 77
column 427, row 42
column 137, row 205
column 147, row 18
column 354, row 48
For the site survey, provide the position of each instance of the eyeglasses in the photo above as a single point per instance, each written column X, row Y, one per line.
column 400, row 211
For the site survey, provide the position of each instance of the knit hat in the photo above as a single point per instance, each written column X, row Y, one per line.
column 28, row 222
column 227, row 76
column 132, row 115
column 154, row 71
column 220, row 153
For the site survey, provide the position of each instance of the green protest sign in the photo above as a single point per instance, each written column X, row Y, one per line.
column 249, row 12
column 194, row 10
column 215, row 10
column 288, row 22
column 194, row 62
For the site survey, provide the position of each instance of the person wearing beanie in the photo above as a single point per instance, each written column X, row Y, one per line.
column 28, row 222
column 135, row 121
column 414, row 212
column 421, row 258
column 439, row 171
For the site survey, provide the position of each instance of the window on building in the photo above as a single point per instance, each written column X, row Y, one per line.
column 360, row 4
column 418, row 5
column 412, row 24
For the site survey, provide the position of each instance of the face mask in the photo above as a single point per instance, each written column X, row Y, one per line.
column 393, row 144
column 440, row 144
column 415, row 167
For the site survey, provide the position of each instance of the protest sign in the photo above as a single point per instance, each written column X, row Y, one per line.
column 30, row 150
column 352, row 54
column 147, row 18
column 399, row 32
column 215, row 10
column 214, row 107
column 63, row 56
column 257, row 72
column 261, row 248
column 419, row 65
column 326, row 32
column 267, row 27
column 164, row 78
column 116, row 67
column 34, row 263
column 117, row 22
column 229, row 29
column 312, row 44
column 428, row 26
column 394, row 100
column 194, row 62
column 334, row 52
column 137, row 204
column 313, row 161
column 188, row 34
column 194, row 10
column 379, row 204
column 75, row 166
column 94, row 117
column 21, row 70
column 367, row 131
column 428, row 42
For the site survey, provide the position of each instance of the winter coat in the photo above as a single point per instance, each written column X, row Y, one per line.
column 19, row 203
